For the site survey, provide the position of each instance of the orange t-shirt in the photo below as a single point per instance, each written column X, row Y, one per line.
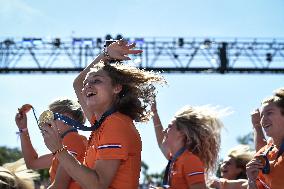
column 117, row 138
column 76, row 145
column 274, row 179
column 187, row 170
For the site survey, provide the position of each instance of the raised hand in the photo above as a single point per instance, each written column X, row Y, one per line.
column 121, row 49
column 21, row 116
column 21, row 120
column 255, row 118
column 25, row 108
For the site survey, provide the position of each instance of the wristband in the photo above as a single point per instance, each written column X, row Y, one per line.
column 21, row 131
column 158, row 125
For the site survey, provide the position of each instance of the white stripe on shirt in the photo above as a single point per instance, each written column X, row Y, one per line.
column 109, row 146
column 195, row 173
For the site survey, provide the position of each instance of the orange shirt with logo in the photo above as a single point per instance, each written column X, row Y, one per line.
column 117, row 138
column 187, row 170
column 76, row 144
column 274, row 179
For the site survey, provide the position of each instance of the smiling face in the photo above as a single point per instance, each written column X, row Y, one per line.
column 272, row 121
column 229, row 169
column 99, row 93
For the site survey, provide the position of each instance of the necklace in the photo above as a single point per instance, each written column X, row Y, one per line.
column 97, row 124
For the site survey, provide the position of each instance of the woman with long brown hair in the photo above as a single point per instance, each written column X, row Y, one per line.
column 112, row 96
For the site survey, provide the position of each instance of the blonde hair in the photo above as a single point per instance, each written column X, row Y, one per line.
column 137, row 92
column 16, row 176
column 242, row 154
column 71, row 107
column 201, row 127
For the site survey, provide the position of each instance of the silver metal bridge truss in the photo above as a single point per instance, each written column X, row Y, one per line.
column 171, row 55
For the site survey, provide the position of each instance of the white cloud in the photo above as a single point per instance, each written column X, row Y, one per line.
column 19, row 9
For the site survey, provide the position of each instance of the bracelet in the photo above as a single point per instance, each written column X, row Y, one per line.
column 158, row 125
column 21, row 131
column 59, row 150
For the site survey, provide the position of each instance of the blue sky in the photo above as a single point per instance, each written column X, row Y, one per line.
column 147, row 18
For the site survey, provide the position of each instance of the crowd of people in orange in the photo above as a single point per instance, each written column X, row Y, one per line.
column 113, row 96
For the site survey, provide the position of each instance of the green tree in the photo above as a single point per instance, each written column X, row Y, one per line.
column 154, row 178
column 8, row 155
column 144, row 171
column 246, row 139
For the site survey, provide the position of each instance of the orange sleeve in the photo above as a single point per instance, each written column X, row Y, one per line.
column 114, row 141
column 260, row 181
column 76, row 145
column 193, row 170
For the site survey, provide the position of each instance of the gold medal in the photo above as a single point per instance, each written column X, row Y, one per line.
column 261, row 159
column 46, row 117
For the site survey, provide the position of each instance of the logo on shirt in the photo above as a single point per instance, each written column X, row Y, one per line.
column 109, row 146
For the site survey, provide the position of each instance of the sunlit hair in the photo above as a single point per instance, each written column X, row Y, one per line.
column 241, row 154
column 137, row 92
column 68, row 106
column 16, row 176
column 201, row 127
column 277, row 98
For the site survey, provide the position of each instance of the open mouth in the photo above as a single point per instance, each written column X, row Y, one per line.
column 89, row 94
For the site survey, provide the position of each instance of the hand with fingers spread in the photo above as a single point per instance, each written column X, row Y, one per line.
column 51, row 137
column 121, row 49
